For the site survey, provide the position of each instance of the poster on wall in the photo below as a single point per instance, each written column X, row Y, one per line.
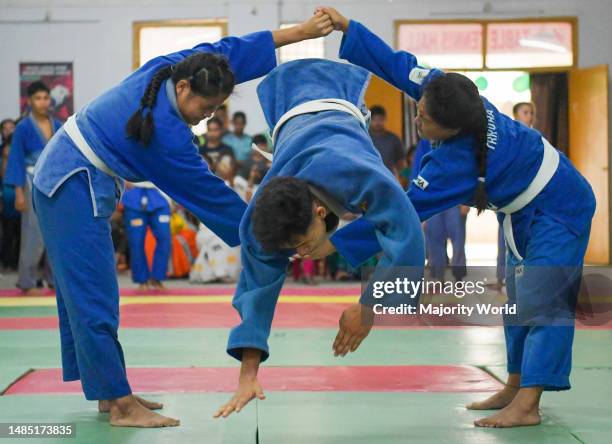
column 58, row 77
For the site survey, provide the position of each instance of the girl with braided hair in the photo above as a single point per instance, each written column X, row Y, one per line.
column 137, row 131
column 483, row 158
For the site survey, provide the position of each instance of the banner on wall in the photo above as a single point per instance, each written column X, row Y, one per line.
column 58, row 77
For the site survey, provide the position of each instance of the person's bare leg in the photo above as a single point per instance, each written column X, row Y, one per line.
column 522, row 411
column 104, row 404
column 128, row 412
column 500, row 399
column 143, row 287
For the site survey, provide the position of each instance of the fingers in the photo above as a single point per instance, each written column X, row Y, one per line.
column 235, row 405
column 337, row 341
column 260, row 394
column 341, row 348
column 225, row 410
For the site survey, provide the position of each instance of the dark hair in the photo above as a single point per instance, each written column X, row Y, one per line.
column 35, row 87
column 209, row 75
column 2, row 124
column 239, row 115
column 519, row 105
column 452, row 100
column 5, row 121
column 260, row 139
column 214, row 120
column 282, row 211
column 378, row 110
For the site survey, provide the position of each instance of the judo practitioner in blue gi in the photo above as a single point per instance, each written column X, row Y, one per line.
column 30, row 137
column 484, row 159
column 137, row 131
column 324, row 166
column 144, row 206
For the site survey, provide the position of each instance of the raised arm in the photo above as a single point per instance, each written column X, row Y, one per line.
column 362, row 47
column 253, row 55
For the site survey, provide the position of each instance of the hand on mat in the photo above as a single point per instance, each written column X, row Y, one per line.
column 339, row 21
column 355, row 324
column 248, row 389
column 319, row 25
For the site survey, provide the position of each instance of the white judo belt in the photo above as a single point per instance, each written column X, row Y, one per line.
column 146, row 184
column 151, row 186
column 75, row 134
column 315, row 106
column 548, row 167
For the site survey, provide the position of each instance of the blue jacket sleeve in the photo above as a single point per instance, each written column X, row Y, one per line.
column 250, row 56
column 184, row 176
column 261, row 280
column 435, row 189
column 362, row 47
column 15, row 165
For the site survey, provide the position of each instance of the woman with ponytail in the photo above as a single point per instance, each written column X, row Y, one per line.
column 484, row 159
column 137, row 131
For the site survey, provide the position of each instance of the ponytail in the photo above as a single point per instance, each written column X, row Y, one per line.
column 140, row 127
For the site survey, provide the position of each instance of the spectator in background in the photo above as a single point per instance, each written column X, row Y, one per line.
column 221, row 114
column 388, row 144
column 30, row 137
column 237, row 140
column 146, row 207
column 11, row 218
column 7, row 127
column 405, row 173
column 226, row 170
column 524, row 112
column 214, row 148
column 256, row 166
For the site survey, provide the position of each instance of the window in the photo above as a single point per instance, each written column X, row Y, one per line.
column 529, row 45
column 495, row 44
column 152, row 39
column 307, row 49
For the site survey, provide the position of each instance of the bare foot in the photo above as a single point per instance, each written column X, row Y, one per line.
column 143, row 287
column 498, row 401
column 33, row 292
column 522, row 411
column 104, row 405
column 129, row 412
column 156, row 285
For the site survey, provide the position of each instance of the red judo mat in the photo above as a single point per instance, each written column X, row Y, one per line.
column 223, row 315
column 227, row 290
column 215, row 315
column 419, row 378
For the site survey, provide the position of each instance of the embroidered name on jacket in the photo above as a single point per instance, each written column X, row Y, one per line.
column 491, row 130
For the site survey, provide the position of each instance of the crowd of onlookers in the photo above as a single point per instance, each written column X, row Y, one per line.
column 236, row 157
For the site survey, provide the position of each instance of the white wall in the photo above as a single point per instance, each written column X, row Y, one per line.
column 102, row 51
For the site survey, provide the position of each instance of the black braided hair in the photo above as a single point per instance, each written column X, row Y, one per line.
column 452, row 100
column 209, row 75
